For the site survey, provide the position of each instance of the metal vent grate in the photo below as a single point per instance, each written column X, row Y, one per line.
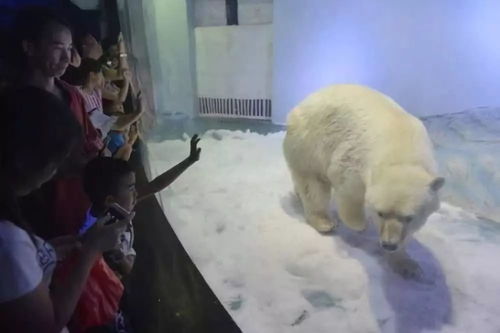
column 235, row 108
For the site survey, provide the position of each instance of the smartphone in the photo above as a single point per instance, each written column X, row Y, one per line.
column 117, row 213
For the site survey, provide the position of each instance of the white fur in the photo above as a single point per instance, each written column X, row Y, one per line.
column 370, row 152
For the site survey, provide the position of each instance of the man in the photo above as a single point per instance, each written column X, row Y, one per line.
column 44, row 44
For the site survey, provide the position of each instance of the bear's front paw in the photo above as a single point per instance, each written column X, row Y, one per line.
column 322, row 224
column 408, row 269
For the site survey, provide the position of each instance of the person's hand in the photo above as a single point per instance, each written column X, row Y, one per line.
column 127, row 75
column 121, row 44
column 76, row 60
column 102, row 237
column 91, row 48
column 195, row 152
column 65, row 245
column 133, row 134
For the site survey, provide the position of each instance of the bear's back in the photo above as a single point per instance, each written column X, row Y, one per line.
column 359, row 116
column 358, row 102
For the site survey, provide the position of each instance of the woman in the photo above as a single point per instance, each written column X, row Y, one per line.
column 38, row 132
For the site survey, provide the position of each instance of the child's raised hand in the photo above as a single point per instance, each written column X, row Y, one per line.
column 121, row 43
column 195, row 152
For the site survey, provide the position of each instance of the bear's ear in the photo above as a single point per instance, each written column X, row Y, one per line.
column 437, row 183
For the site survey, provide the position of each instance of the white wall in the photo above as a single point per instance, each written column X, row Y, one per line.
column 234, row 61
column 255, row 12
column 209, row 13
column 431, row 56
column 171, row 48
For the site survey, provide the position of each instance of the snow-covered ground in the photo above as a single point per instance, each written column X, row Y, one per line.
column 235, row 213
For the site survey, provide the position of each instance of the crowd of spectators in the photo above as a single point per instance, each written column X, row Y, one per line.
column 67, row 191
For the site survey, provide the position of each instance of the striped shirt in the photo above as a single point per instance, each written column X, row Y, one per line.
column 94, row 108
column 93, row 100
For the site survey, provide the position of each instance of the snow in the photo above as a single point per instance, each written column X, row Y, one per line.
column 235, row 213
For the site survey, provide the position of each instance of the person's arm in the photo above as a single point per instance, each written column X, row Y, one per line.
column 48, row 312
column 169, row 176
column 122, row 60
column 76, row 60
column 122, row 95
column 91, row 48
column 124, row 266
column 122, row 122
column 127, row 264
column 50, row 309
column 125, row 151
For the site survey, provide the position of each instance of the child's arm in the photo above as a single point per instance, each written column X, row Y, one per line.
column 127, row 264
column 125, row 151
column 124, row 121
column 122, row 267
column 122, row 260
column 168, row 177
column 122, row 60
column 122, row 95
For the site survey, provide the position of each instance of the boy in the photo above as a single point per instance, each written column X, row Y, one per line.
column 110, row 181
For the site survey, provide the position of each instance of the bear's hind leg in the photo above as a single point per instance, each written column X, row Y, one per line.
column 315, row 197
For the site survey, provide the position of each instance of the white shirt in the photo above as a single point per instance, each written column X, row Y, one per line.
column 23, row 264
column 94, row 107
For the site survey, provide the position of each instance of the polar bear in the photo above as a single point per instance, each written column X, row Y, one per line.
column 359, row 146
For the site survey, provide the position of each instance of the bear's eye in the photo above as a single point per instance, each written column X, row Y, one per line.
column 407, row 219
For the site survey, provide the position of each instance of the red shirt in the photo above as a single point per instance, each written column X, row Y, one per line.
column 100, row 298
column 92, row 139
column 68, row 202
column 59, row 207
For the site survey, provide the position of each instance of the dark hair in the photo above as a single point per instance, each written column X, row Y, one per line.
column 30, row 24
column 108, row 42
column 87, row 66
column 102, row 177
column 37, row 130
column 78, row 41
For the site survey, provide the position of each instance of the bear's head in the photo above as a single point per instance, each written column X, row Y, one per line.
column 400, row 199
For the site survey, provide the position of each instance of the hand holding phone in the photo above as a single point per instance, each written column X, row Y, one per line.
column 106, row 233
column 117, row 213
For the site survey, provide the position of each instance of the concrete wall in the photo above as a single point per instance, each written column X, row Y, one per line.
column 234, row 61
column 171, row 44
column 213, row 12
